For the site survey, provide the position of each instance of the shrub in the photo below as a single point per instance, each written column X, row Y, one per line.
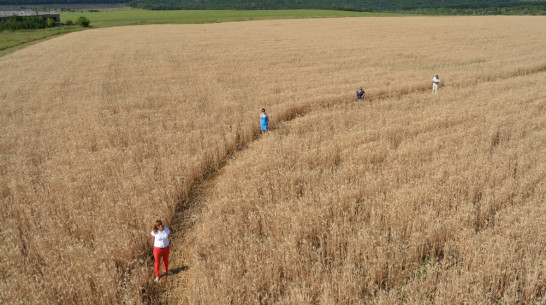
column 83, row 21
column 50, row 22
column 18, row 23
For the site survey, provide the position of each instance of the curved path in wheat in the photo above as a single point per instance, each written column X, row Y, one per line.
column 175, row 288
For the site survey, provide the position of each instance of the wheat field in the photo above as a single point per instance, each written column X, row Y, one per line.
column 407, row 197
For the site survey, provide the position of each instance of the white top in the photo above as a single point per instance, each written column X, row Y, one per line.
column 161, row 239
column 436, row 79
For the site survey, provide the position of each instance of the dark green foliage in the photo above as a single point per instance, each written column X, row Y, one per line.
column 18, row 23
column 435, row 7
column 83, row 21
column 421, row 6
column 69, row 22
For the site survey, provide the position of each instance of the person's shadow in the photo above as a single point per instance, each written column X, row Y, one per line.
column 175, row 271
column 180, row 269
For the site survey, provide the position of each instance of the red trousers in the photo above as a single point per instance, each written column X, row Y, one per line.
column 158, row 253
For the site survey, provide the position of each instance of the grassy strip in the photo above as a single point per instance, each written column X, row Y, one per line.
column 130, row 16
column 14, row 40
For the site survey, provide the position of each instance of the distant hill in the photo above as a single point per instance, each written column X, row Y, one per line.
column 438, row 6
column 361, row 5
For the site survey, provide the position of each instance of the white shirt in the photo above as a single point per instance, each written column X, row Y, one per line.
column 161, row 239
column 436, row 80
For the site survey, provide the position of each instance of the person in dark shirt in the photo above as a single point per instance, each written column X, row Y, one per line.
column 359, row 95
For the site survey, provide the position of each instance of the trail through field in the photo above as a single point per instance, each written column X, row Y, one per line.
column 174, row 288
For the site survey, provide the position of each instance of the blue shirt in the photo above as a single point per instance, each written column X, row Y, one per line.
column 359, row 93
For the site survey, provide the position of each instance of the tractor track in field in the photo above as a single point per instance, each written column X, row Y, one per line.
column 172, row 288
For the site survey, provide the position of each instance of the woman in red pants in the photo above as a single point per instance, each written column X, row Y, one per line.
column 160, row 236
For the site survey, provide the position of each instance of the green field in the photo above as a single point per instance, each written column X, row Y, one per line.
column 12, row 40
column 129, row 16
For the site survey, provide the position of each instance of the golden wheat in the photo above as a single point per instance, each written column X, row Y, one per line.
column 439, row 201
column 104, row 131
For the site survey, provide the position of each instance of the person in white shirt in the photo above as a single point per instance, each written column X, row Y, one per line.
column 435, row 83
column 160, row 237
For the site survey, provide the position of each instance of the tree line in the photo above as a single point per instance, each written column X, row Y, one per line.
column 17, row 23
column 442, row 7
column 481, row 7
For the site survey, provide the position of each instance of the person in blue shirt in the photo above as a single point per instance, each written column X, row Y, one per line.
column 264, row 121
column 359, row 95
